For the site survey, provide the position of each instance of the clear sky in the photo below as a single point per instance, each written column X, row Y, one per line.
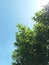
column 11, row 13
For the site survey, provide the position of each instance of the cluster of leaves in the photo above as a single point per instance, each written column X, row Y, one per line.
column 32, row 46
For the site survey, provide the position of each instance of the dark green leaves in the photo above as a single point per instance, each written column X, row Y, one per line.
column 32, row 46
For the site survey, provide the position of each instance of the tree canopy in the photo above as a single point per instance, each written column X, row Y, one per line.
column 32, row 45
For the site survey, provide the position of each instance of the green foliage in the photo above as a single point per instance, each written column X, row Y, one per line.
column 32, row 46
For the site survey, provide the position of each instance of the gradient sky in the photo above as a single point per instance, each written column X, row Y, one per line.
column 11, row 13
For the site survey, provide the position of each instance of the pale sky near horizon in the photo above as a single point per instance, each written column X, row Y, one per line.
column 11, row 13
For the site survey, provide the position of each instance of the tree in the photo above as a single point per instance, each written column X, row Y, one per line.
column 32, row 46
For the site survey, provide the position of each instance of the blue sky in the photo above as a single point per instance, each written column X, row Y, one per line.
column 11, row 13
